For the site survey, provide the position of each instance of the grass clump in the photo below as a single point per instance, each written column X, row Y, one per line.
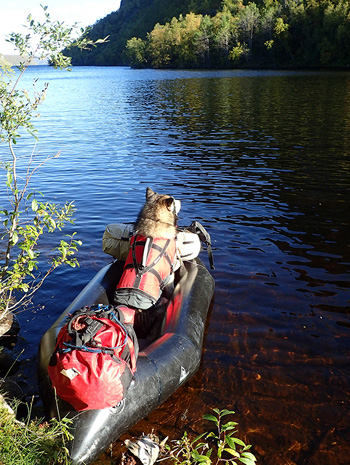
column 31, row 442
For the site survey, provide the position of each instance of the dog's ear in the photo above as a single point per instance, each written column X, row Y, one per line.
column 169, row 202
column 149, row 193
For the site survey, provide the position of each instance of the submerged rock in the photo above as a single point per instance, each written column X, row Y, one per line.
column 11, row 389
column 9, row 329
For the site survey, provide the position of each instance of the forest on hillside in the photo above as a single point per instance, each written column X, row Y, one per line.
column 134, row 18
column 274, row 33
column 225, row 34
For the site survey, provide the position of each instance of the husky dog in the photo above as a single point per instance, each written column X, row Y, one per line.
column 149, row 267
column 158, row 217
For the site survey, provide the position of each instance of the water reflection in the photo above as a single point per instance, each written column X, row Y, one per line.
column 262, row 160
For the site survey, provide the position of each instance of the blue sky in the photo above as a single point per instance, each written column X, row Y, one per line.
column 13, row 14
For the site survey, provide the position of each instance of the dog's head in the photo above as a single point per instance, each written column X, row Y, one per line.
column 158, row 217
column 167, row 201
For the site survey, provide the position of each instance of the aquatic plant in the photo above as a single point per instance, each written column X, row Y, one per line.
column 213, row 448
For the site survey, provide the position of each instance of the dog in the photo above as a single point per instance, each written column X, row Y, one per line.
column 158, row 218
column 149, row 267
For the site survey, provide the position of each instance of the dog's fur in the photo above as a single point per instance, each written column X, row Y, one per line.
column 158, row 217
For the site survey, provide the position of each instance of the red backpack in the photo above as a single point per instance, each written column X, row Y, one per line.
column 95, row 357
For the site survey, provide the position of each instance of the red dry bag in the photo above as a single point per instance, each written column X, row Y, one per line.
column 95, row 357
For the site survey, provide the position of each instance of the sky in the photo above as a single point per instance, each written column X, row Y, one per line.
column 13, row 14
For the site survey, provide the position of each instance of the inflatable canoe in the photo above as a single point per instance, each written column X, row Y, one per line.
column 164, row 363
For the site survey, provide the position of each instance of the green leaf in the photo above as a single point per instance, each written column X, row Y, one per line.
column 229, row 426
column 230, row 442
column 9, row 179
column 235, row 440
column 31, row 265
column 232, row 452
column 226, row 412
column 14, row 238
column 198, row 437
column 200, row 458
column 30, row 253
column 210, row 418
column 34, row 205
column 52, row 223
column 246, row 461
column 25, row 288
column 249, row 455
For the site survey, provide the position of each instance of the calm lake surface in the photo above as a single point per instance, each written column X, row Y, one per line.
column 262, row 160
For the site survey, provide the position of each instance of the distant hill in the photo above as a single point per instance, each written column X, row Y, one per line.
column 134, row 19
column 3, row 60
column 14, row 60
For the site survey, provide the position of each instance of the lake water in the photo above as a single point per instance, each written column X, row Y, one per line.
column 262, row 160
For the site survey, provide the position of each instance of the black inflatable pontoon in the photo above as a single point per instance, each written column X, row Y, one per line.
column 162, row 366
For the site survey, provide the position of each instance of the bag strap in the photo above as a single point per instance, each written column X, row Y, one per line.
column 140, row 269
column 92, row 326
column 197, row 228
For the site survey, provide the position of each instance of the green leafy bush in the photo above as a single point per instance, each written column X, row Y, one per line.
column 25, row 218
column 217, row 447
